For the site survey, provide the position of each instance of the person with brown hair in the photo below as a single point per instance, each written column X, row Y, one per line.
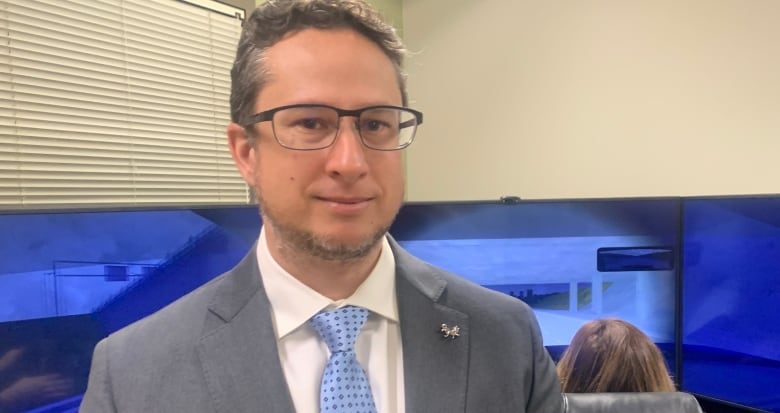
column 612, row 355
column 326, row 312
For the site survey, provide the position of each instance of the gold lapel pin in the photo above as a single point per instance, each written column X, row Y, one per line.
column 450, row 332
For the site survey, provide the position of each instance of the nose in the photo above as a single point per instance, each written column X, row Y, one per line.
column 347, row 155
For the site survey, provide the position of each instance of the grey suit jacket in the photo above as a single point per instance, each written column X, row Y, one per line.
column 214, row 350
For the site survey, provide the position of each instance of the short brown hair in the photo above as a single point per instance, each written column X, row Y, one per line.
column 275, row 19
column 611, row 355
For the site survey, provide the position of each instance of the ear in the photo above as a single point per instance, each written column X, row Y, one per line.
column 243, row 152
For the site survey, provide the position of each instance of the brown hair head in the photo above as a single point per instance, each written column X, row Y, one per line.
column 275, row 19
column 611, row 355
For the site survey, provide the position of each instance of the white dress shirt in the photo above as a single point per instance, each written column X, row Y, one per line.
column 304, row 354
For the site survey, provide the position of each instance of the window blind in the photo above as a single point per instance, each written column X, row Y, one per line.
column 115, row 102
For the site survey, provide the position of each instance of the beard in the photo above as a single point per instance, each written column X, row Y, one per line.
column 306, row 242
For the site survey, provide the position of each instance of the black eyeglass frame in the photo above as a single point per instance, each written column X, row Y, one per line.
column 268, row 115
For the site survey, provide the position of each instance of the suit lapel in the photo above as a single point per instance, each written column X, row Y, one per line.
column 238, row 349
column 434, row 366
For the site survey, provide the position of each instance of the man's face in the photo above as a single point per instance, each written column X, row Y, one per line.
column 337, row 202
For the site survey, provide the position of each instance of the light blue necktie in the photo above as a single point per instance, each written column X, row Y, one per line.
column 345, row 387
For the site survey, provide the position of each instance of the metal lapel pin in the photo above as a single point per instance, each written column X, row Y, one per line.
column 450, row 332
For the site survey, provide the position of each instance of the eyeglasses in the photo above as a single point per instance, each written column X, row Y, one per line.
column 309, row 127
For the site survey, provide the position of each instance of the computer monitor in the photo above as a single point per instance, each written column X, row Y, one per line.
column 572, row 261
column 69, row 278
column 731, row 299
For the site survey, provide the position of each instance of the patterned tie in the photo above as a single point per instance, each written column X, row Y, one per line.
column 345, row 387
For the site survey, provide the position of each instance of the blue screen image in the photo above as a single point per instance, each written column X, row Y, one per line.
column 731, row 300
column 68, row 278
column 545, row 253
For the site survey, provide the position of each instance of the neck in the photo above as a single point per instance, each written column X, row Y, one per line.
column 335, row 279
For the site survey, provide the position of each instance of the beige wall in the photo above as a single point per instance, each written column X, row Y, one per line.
column 247, row 5
column 392, row 12
column 601, row 98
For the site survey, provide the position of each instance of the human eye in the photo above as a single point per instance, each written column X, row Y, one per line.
column 373, row 125
column 308, row 123
column 304, row 127
column 309, row 119
column 379, row 121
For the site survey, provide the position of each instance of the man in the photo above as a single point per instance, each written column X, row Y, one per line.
column 319, row 118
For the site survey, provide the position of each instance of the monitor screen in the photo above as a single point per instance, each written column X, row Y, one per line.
column 547, row 253
column 68, row 279
column 731, row 299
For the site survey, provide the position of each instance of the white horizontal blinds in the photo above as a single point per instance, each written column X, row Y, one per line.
column 115, row 102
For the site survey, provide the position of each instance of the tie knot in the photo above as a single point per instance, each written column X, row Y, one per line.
column 340, row 328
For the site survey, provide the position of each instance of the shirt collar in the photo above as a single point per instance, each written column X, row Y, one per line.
column 293, row 303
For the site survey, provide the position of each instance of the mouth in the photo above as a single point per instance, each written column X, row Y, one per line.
column 344, row 200
column 346, row 204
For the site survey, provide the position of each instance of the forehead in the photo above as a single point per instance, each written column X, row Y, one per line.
column 339, row 67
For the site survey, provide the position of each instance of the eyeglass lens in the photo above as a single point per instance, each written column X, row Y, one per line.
column 314, row 127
